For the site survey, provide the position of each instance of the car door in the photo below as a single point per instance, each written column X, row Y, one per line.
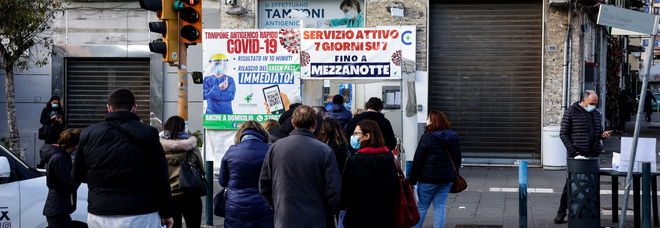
column 10, row 199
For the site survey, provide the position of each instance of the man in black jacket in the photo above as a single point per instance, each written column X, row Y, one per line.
column 126, row 175
column 373, row 107
column 580, row 132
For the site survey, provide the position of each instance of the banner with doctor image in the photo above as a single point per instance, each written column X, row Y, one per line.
column 321, row 14
column 248, row 75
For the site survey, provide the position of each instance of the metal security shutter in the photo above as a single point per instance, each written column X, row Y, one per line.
column 485, row 75
column 90, row 81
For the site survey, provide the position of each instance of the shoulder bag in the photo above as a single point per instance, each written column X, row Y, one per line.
column 406, row 212
column 45, row 131
column 459, row 183
column 219, row 202
column 191, row 180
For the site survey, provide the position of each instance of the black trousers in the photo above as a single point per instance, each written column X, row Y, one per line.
column 563, row 201
column 61, row 221
column 191, row 209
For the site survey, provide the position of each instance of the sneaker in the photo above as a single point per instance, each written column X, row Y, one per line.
column 560, row 218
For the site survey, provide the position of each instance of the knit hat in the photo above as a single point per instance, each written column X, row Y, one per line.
column 337, row 99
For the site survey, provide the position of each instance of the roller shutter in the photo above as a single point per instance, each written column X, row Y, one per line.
column 485, row 75
column 89, row 81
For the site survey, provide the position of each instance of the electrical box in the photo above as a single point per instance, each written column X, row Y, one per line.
column 391, row 97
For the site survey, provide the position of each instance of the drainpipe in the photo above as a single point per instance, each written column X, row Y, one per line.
column 567, row 60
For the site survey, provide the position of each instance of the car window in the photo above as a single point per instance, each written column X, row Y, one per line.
column 13, row 157
column 20, row 169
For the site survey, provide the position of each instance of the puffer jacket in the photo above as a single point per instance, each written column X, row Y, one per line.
column 239, row 172
column 123, row 178
column 339, row 112
column 176, row 151
column 574, row 132
column 62, row 189
column 369, row 188
column 431, row 163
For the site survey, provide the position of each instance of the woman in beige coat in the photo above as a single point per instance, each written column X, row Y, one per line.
column 177, row 145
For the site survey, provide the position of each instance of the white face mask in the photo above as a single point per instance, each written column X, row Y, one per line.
column 428, row 122
column 350, row 14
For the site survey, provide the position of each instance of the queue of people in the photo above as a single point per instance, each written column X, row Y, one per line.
column 309, row 175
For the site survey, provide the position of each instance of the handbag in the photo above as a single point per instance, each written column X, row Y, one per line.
column 219, row 201
column 406, row 213
column 191, row 180
column 45, row 131
column 459, row 183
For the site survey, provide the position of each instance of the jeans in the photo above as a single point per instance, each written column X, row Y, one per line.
column 438, row 194
column 563, row 200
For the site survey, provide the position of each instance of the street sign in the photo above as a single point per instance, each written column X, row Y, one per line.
column 627, row 19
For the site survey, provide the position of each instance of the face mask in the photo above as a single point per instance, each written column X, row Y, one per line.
column 354, row 142
column 590, row 108
column 54, row 105
column 349, row 14
column 219, row 69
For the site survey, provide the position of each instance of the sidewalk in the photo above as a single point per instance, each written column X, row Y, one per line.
column 492, row 197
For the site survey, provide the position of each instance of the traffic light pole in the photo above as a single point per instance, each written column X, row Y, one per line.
column 183, row 79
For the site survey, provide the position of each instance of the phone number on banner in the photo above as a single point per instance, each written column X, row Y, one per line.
column 234, row 121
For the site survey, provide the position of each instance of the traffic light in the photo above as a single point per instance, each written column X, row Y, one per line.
column 169, row 25
column 191, row 16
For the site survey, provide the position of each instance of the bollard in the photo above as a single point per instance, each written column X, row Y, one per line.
column 583, row 192
column 646, row 194
column 522, row 189
column 209, row 193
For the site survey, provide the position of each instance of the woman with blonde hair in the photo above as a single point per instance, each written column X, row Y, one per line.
column 270, row 124
column 239, row 173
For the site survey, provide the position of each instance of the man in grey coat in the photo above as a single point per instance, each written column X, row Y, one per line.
column 299, row 178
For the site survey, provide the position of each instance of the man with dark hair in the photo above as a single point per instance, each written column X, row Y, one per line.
column 299, row 178
column 339, row 112
column 124, row 166
column 581, row 133
column 373, row 108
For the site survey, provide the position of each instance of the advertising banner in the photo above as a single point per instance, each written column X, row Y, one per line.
column 355, row 53
column 248, row 75
column 321, row 14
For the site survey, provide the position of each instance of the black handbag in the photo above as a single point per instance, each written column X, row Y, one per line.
column 191, row 180
column 45, row 131
column 219, row 202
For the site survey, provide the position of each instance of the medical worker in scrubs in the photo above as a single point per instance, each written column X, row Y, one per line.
column 353, row 17
column 219, row 88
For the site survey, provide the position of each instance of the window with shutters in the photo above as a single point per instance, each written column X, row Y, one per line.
column 89, row 82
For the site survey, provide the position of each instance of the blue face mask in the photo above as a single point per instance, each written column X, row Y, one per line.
column 354, row 142
column 54, row 105
column 219, row 69
column 590, row 108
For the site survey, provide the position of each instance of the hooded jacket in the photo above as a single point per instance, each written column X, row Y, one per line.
column 431, row 163
column 176, row 151
column 239, row 172
column 288, row 113
column 339, row 112
column 384, row 125
column 281, row 131
column 123, row 178
column 574, row 132
column 369, row 188
column 62, row 189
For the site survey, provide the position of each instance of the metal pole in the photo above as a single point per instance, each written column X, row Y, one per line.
column 646, row 194
column 638, row 121
column 182, row 81
column 522, row 189
column 209, row 193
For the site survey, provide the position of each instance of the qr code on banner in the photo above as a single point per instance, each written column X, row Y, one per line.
column 274, row 100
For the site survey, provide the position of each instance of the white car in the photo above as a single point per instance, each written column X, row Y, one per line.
column 23, row 193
